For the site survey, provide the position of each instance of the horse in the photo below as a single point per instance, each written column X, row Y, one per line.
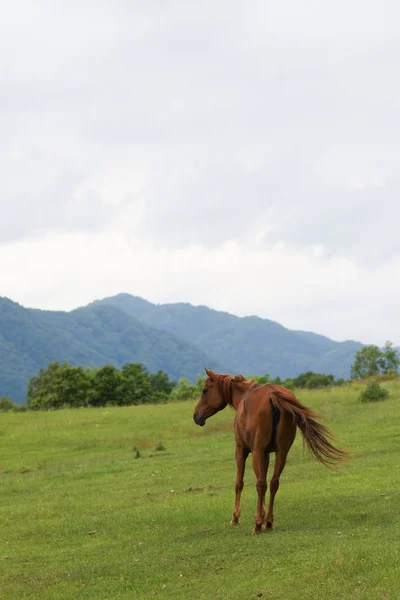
column 266, row 420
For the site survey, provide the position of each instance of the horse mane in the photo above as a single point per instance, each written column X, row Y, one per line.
column 225, row 381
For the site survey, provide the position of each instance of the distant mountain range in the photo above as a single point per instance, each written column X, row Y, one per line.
column 90, row 336
column 179, row 338
column 246, row 344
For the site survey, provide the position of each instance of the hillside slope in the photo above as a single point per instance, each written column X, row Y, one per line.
column 250, row 345
column 91, row 336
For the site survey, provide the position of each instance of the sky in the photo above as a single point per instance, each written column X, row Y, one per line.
column 243, row 155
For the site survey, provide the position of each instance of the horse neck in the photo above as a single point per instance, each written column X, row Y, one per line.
column 239, row 388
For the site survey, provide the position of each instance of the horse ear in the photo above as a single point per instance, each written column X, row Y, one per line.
column 210, row 373
column 238, row 378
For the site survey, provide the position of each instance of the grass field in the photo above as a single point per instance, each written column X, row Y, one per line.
column 81, row 517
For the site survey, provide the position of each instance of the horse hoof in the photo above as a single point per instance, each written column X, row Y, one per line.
column 256, row 531
column 268, row 526
column 233, row 522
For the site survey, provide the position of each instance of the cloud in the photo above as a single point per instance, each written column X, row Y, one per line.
column 213, row 137
column 305, row 290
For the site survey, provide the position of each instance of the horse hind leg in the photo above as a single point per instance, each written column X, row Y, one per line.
column 260, row 466
column 280, row 461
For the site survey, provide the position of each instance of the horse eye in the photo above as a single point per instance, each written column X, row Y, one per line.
column 205, row 391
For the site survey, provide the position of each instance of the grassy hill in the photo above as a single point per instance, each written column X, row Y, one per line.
column 91, row 336
column 247, row 344
column 82, row 518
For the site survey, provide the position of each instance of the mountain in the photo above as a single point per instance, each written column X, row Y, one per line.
column 89, row 336
column 249, row 345
column 178, row 338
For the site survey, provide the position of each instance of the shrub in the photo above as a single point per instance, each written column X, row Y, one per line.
column 312, row 380
column 6, row 404
column 19, row 408
column 184, row 390
column 373, row 392
column 136, row 451
column 261, row 378
column 288, row 384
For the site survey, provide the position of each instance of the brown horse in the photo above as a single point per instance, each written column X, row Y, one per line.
column 265, row 421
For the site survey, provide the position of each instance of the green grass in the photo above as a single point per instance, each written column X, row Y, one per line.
column 81, row 517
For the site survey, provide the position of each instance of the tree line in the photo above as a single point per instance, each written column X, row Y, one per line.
column 308, row 380
column 63, row 385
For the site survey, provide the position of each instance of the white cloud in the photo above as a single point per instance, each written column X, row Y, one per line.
column 334, row 296
column 159, row 148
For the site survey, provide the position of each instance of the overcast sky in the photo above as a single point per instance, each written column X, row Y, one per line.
column 239, row 154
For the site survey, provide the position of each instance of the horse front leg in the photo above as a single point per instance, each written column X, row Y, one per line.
column 241, row 455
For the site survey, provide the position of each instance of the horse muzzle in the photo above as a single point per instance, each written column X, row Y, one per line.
column 199, row 419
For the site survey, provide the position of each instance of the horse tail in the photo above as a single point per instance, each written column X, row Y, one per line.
column 316, row 435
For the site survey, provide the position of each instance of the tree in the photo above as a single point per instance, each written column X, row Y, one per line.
column 161, row 385
column 200, row 381
column 184, row 390
column 366, row 363
column 311, row 380
column 262, row 379
column 57, row 386
column 65, row 385
column 390, row 359
column 6, row 404
column 370, row 361
column 41, row 388
column 288, row 383
column 105, row 386
column 301, row 380
column 319, row 380
column 72, row 385
column 135, row 386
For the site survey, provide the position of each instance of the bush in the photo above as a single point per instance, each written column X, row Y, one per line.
column 288, row 384
column 373, row 392
column 184, row 390
column 19, row 408
column 6, row 404
column 262, row 379
column 312, row 380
